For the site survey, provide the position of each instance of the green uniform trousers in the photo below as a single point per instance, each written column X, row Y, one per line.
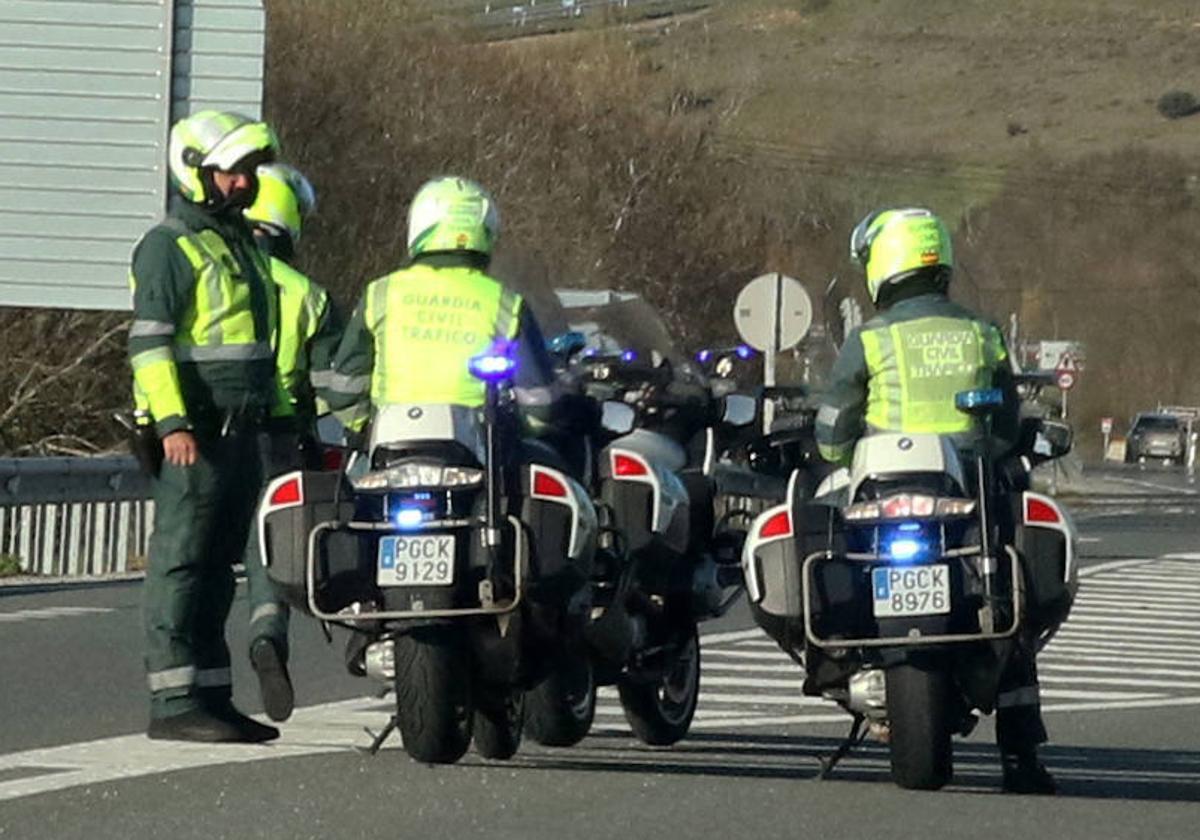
column 202, row 517
column 268, row 612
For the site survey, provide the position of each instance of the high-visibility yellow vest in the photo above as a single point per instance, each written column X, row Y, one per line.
column 427, row 323
column 917, row 367
column 218, row 325
column 301, row 303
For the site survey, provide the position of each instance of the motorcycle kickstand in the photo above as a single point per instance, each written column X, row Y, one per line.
column 384, row 734
column 853, row 739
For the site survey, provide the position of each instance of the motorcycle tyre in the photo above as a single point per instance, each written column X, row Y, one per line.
column 499, row 721
column 434, row 703
column 553, row 715
column 918, row 704
column 657, row 720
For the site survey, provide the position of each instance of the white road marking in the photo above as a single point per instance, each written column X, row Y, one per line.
column 50, row 613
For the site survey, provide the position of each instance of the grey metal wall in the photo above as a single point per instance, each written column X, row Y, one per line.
column 86, row 91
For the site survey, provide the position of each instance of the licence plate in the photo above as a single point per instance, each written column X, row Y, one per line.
column 911, row 590
column 416, row 560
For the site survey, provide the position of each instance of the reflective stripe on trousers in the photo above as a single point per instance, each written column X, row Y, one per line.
column 186, row 676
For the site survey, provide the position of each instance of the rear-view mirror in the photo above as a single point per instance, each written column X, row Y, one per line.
column 739, row 410
column 1054, row 439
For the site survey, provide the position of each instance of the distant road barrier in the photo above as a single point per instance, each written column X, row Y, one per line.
column 74, row 516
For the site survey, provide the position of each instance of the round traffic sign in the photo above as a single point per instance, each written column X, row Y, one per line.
column 773, row 307
column 1065, row 380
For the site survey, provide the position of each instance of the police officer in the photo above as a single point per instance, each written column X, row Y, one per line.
column 203, row 367
column 880, row 383
column 309, row 329
column 413, row 331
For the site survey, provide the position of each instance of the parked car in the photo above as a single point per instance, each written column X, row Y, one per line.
column 1156, row 436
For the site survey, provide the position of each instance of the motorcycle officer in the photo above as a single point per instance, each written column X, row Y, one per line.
column 204, row 373
column 308, row 333
column 413, row 331
column 900, row 372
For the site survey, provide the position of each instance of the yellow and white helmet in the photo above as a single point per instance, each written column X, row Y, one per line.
column 452, row 214
column 285, row 199
column 211, row 140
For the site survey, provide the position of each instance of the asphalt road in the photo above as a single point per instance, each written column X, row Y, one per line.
column 1121, row 685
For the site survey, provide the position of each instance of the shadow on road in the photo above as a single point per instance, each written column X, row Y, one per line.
column 1082, row 772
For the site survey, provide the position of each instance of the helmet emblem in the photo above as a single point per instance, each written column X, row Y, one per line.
column 415, row 413
column 904, row 444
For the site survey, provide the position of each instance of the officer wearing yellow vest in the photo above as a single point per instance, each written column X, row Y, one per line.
column 883, row 380
column 309, row 330
column 204, row 371
column 413, row 331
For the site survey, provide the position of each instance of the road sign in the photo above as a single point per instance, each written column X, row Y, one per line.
column 1065, row 379
column 1067, row 363
column 773, row 313
column 1106, row 425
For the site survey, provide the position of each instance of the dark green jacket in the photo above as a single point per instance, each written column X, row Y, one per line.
column 165, row 297
column 901, row 371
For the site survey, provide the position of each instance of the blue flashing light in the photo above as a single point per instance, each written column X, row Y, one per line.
column 408, row 518
column 496, row 365
column 703, row 356
column 903, row 550
column 744, row 351
column 980, row 398
column 910, row 526
column 629, row 356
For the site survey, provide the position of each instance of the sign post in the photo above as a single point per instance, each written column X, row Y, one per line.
column 1064, row 377
column 1106, row 427
column 773, row 313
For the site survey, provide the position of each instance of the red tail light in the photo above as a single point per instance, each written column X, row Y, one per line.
column 778, row 525
column 287, row 493
column 332, row 458
column 545, row 484
column 1038, row 511
column 627, row 466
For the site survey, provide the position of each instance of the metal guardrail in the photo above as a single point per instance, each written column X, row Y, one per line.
column 74, row 516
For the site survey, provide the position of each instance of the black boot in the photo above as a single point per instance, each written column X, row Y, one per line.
column 273, row 681
column 200, row 725
column 1024, row 773
column 252, row 731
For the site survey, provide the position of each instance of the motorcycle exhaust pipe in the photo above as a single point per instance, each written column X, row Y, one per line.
column 715, row 587
column 380, row 661
column 868, row 694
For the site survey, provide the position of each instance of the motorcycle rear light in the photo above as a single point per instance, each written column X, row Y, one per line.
column 897, row 507
column 547, row 485
column 287, row 493
column 627, row 466
column 1038, row 511
column 862, row 511
column 955, row 507
column 778, row 525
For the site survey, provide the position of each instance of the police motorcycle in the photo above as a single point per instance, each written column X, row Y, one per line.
column 902, row 586
column 459, row 565
column 665, row 562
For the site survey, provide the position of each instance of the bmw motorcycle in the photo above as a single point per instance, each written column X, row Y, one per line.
column 665, row 562
column 903, row 586
column 458, row 553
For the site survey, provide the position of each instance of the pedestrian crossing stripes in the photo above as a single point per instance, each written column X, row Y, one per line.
column 1132, row 642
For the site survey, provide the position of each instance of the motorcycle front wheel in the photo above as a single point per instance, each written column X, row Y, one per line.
column 660, row 711
column 499, row 720
column 918, row 705
column 434, row 702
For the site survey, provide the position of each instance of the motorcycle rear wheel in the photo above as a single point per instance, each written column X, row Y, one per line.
column 434, row 694
column 918, row 704
column 660, row 712
column 559, row 711
column 499, row 720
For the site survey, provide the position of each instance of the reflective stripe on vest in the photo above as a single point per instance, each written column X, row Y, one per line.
column 219, row 323
column 917, row 367
column 300, row 306
column 427, row 323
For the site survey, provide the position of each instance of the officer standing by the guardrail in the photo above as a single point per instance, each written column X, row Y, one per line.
column 201, row 351
column 309, row 330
